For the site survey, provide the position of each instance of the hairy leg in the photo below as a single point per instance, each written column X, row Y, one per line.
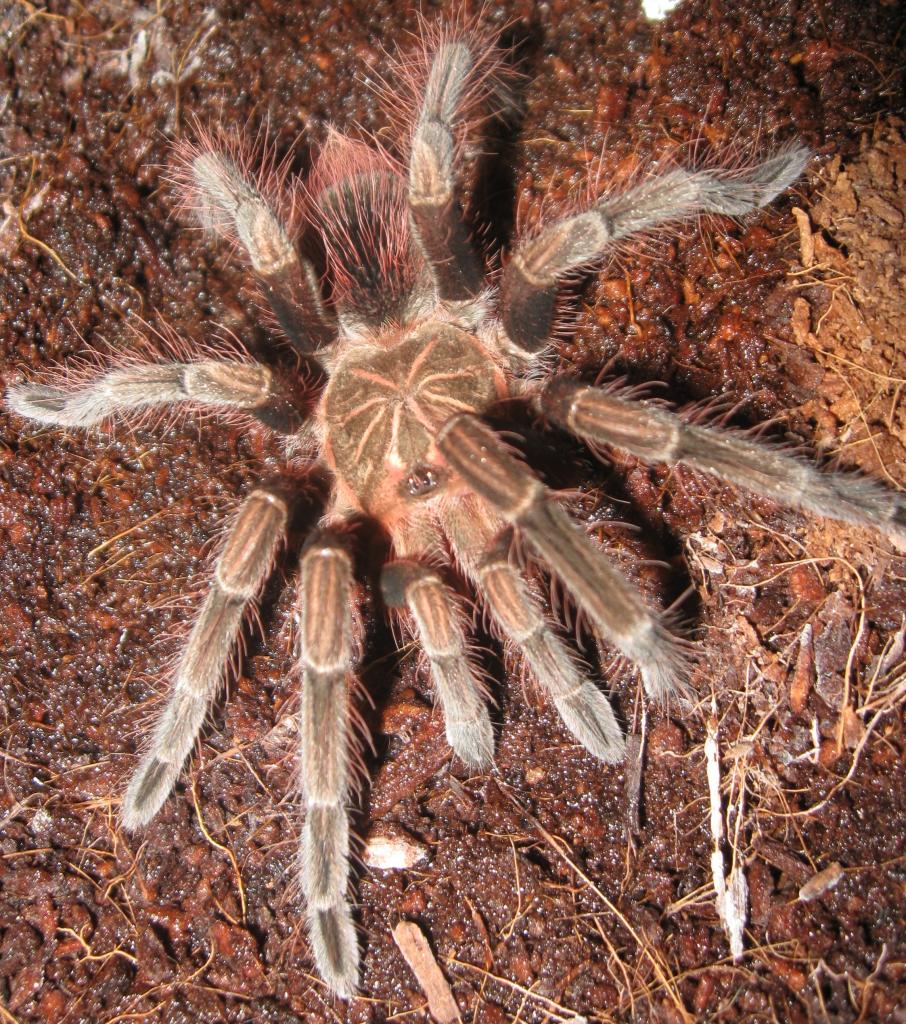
column 410, row 585
column 231, row 203
column 242, row 568
column 515, row 610
column 531, row 278
column 247, row 387
column 611, row 603
column 656, row 435
column 327, row 657
column 437, row 219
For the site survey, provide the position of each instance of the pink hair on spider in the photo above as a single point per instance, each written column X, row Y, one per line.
column 357, row 196
column 212, row 173
column 486, row 88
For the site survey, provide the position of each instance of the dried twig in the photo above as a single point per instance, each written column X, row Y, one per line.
column 415, row 949
column 221, row 847
column 552, row 1009
column 731, row 893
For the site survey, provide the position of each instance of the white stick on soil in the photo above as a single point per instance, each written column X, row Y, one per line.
column 731, row 895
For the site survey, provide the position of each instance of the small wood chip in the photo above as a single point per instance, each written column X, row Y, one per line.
column 801, row 323
column 632, row 788
column 806, row 239
column 820, row 883
column 393, row 851
column 412, row 943
column 804, row 672
column 777, row 855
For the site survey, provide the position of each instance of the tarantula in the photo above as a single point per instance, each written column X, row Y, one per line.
column 415, row 347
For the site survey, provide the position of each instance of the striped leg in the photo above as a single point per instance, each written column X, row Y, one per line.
column 231, row 203
column 435, row 617
column 539, row 264
column 517, row 613
column 242, row 568
column 248, row 387
column 441, row 631
column 657, row 435
column 327, row 656
column 610, row 602
column 436, row 215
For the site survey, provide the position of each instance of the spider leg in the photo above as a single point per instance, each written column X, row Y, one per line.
column 437, row 219
column 517, row 613
column 294, row 295
column 242, row 568
column 612, row 604
column 409, row 584
column 530, row 280
column 656, row 435
column 249, row 387
column 327, row 656
column 229, row 203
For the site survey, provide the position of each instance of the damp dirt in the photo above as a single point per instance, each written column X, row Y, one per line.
column 553, row 888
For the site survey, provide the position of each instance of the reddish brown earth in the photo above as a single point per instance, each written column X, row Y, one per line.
column 552, row 887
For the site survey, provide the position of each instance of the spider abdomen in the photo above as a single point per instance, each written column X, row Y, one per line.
column 384, row 406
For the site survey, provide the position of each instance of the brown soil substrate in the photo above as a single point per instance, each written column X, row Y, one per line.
column 554, row 886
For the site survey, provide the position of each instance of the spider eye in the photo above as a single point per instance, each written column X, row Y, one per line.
column 421, row 481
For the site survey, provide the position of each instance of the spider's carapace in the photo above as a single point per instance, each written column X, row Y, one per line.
column 383, row 408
